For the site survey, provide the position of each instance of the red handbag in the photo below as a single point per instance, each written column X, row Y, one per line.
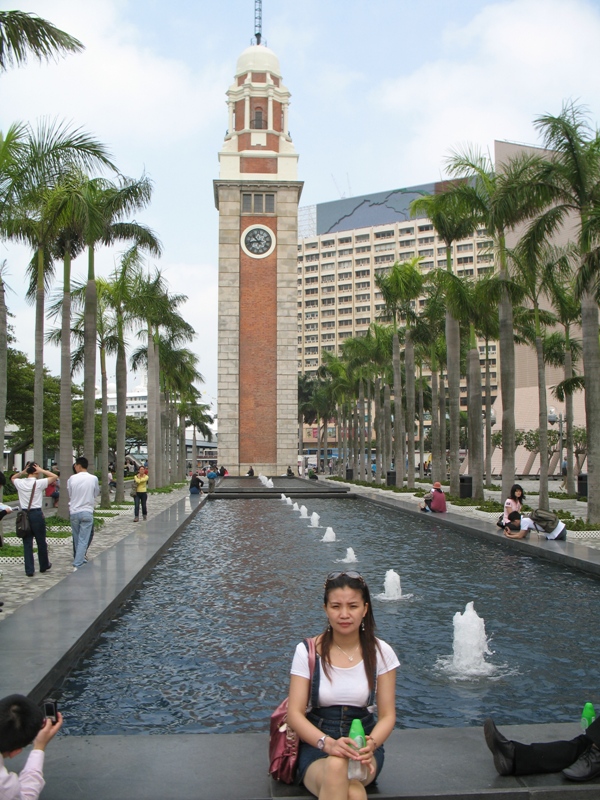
column 284, row 743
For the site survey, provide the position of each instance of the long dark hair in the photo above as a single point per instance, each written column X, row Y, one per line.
column 368, row 642
column 513, row 489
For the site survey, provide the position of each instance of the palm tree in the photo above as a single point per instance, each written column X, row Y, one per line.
column 561, row 291
column 388, row 285
column 108, row 204
column 498, row 200
column 453, row 221
column 32, row 164
column 569, row 179
column 404, row 285
column 306, row 409
column 157, row 309
column 22, row 34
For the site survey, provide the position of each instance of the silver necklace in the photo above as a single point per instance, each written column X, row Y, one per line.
column 350, row 658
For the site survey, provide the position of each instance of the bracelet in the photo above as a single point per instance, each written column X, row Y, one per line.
column 371, row 739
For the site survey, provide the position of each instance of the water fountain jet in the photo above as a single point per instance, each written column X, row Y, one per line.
column 329, row 535
column 314, row 520
column 303, row 512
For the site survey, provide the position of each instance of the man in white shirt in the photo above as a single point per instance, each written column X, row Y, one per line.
column 31, row 496
column 22, row 722
column 527, row 524
column 83, row 489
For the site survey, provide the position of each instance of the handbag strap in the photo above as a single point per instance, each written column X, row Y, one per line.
column 31, row 498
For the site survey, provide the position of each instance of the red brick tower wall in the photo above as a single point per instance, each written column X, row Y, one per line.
column 258, row 354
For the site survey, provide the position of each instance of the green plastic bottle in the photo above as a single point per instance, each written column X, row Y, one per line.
column 357, row 770
column 588, row 715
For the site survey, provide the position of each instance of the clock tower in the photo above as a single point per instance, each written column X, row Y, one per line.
column 257, row 196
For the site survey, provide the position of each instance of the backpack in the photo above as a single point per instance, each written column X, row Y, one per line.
column 544, row 520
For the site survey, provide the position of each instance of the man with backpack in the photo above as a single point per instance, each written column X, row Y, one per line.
column 542, row 521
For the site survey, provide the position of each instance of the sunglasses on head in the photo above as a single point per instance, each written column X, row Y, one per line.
column 350, row 574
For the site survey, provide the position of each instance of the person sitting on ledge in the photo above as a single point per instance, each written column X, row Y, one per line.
column 437, row 501
column 250, row 473
column 312, row 475
column 290, row 472
column 196, row 484
column 578, row 759
column 527, row 524
column 21, row 723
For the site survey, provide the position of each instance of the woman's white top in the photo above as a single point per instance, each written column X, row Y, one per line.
column 345, row 686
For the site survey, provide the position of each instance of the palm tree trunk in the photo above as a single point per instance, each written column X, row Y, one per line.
column 409, row 357
column 453, row 361
column 65, row 464
column 153, row 477
column 369, row 433
column 121, row 379
column 436, row 465
column 542, row 424
column 105, row 489
column 442, row 404
column 569, row 422
column 591, row 370
column 325, row 443
column 475, row 421
column 38, row 381
column 507, row 380
column 361, row 431
column 387, row 421
column 488, row 419
column 421, row 426
column 378, row 430
column 398, row 412
column 89, row 365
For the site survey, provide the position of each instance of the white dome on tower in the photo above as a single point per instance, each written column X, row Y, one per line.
column 258, row 58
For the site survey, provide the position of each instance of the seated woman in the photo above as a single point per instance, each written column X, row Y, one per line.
column 290, row 472
column 353, row 672
column 250, row 473
column 513, row 503
column 437, row 501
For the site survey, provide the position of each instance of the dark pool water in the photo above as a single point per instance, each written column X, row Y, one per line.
column 205, row 644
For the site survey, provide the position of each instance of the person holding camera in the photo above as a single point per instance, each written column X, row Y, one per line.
column 31, row 490
column 21, row 723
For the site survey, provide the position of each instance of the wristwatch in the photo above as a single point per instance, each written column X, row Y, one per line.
column 321, row 742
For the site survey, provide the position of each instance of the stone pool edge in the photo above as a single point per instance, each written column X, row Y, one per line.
column 43, row 638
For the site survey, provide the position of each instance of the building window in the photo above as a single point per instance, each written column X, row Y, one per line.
column 384, row 234
column 462, row 248
column 258, row 203
column 425, row 228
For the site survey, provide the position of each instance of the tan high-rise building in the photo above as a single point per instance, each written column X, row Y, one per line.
column 257, row 196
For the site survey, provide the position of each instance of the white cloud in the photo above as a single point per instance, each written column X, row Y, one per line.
column 118, row 87
column 512, row 61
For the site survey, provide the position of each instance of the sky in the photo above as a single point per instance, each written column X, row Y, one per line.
column 382, row 92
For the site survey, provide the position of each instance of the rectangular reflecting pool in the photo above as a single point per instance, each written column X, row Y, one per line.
column 205, row 644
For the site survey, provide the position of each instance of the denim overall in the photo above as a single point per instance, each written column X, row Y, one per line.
column 334, row 721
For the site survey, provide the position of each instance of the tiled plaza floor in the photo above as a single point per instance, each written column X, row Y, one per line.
column 16, row 588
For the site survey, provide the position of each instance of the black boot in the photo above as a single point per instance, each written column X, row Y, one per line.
column 501, row 748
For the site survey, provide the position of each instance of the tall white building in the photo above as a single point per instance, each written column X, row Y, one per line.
column 353, row 241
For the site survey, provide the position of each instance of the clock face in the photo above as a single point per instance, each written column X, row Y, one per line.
column 258, row 241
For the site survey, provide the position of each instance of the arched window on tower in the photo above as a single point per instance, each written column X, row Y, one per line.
column 258, row 122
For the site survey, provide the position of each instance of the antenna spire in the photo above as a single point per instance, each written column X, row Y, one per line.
column 258, row 20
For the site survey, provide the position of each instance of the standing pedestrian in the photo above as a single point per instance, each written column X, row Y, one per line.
column 140, row 480
column 31, row 498
column 212, row 477
column 83, row 489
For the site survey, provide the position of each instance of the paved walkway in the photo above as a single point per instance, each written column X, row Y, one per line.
column 16, row 588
